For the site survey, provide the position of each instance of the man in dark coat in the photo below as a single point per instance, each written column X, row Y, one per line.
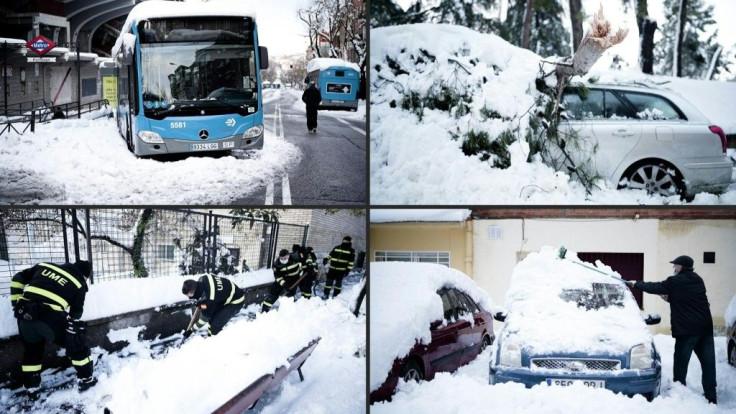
column 286, row 271
column 692, row 324
column 312, row 97
column 40, row 296
column 341, row 260
column 218, row 298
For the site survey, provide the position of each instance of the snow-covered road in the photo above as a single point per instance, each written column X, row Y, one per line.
column 468, row 391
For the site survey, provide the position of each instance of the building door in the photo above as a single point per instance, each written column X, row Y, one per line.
column 60, row 85
column 629, row 265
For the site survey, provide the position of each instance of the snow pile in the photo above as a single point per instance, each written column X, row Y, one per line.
column 388, row 215
column 730, row 315
column 86, row 162
column 403, row 303
column 467, row 391
column 116, row 297
column 440, row 90
column 544, row 293
column 326, row 63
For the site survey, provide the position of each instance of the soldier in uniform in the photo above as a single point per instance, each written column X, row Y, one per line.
column 218, row 298
column 40, row 296
column 286, row 271
column 341, row 260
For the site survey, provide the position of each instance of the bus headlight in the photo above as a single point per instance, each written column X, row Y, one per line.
column 150, row 137
column 641, row 357
column 253, row 132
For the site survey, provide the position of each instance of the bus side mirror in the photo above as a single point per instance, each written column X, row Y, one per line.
column 263, row 56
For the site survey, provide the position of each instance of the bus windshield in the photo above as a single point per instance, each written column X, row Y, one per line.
column 197, row 78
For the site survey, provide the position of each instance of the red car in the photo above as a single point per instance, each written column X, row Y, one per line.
column 455, row 342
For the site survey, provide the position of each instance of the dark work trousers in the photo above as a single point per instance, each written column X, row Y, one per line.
column 222, row 316
column 274, row 291
column 704, row 349
column 50, row 326
column 305, row 286
column 311, row 117
column 334, row 278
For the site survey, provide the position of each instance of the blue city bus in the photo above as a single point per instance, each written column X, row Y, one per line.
column 189, row 82
column 337, row 80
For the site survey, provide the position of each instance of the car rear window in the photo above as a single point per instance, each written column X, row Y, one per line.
column 652, row 107
column 599, row 296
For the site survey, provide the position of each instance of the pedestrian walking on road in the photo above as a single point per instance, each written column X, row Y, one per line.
column 40, row 296
column 692, row 323
column 312, row 97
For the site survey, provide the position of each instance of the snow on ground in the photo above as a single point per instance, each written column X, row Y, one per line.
column 545, row 290
column 74, row 161
column 418, row 160
column 114, row 297
column 389, row 215
column 403, row 303
column 206, row 372
column 467, row 391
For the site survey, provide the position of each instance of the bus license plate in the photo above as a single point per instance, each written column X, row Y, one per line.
column 203, row 147
column 561, row 382
column 336, row 101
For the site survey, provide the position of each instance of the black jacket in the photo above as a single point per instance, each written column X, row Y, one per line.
column 312, row 96
column 213, row 292
column 287, row 273
column 341, row 258
column 689, row 307
column 60, row 286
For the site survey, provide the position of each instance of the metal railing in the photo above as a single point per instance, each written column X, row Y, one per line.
column 28, row 118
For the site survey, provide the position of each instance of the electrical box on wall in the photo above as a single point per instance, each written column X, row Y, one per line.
column 495, row 232
column 709, row 257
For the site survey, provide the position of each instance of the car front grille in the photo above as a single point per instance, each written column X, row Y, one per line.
column 575, row 365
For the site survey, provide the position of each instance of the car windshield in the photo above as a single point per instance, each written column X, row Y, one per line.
column 197, row 76
column 599, row 296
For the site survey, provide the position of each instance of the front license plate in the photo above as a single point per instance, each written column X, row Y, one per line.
column 203, row 147
column 561, row 382
column 228, row 144
column 338, row 101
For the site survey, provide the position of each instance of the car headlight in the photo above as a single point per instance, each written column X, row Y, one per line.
column 150, row 137
column 253, row 132
column 510, row 355
column 641, row 357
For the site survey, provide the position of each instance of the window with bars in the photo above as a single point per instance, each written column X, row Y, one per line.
column 442, row 258
column 165, row 251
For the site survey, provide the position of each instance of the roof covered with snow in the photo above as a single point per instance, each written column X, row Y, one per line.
column 418, row 215
column 555, row 305
column 403, row 303
column 325, row 63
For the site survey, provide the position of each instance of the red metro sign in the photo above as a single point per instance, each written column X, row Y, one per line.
column 40, row 45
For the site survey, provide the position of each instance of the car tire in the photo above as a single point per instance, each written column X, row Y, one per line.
column 412, row 371
column 656, row 177
column 485, row 343
column 732, row 354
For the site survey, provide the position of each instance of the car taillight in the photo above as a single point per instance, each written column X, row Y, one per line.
column 718, row 131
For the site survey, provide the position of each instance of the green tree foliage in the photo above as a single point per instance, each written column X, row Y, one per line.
column 548, row 36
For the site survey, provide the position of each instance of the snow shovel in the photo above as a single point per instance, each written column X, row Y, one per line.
column 563, row 252
column 195, row 315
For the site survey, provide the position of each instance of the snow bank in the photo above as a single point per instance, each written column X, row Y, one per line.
column 325, row 63
column 115, row 297
column 403, row 302
column 434, row 87
column 87, row 162
column 540, row 319
column 730, row 315
column 467, row 391
column 388, row 215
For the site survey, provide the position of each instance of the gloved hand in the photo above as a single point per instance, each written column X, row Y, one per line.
column 187, row 333
column 325, row 260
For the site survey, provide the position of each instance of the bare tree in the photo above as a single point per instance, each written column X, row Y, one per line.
column 576, row 18
column 336, row 29
column 527, row 24
column 679, row 36
column 647, row 27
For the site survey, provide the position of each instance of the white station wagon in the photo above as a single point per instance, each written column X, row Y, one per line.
column 646, row 138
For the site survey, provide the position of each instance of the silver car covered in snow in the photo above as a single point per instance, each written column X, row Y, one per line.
column 647, row 138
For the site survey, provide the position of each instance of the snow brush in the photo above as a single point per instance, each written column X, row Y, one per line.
column 563, row 252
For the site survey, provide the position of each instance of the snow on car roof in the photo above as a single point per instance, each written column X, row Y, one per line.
column 324, row 63
column 165, row 8
column 403, row 303
column 547, row 309
column 731, row 312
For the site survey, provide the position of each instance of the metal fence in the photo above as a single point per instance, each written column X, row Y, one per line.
column 128, row 243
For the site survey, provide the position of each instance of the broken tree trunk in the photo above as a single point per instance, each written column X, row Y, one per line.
column 596, row 41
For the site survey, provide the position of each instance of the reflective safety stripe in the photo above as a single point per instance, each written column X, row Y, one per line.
column 30, row 368
column 232, row 292
column 307, row 295
column 18, row 285
column 339, row 260
column 200, row 323
column 236, row 301
column 267, row 304
column 342, row 251
column 13, row 298
column 338, row 287
column 212, row 287
column 81, row 362
column 53, row 296
column 63, row 273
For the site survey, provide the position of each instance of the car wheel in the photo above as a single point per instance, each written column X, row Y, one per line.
column 412, row 371
column 485, row 343
column 654, row 177
column 732, row 354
